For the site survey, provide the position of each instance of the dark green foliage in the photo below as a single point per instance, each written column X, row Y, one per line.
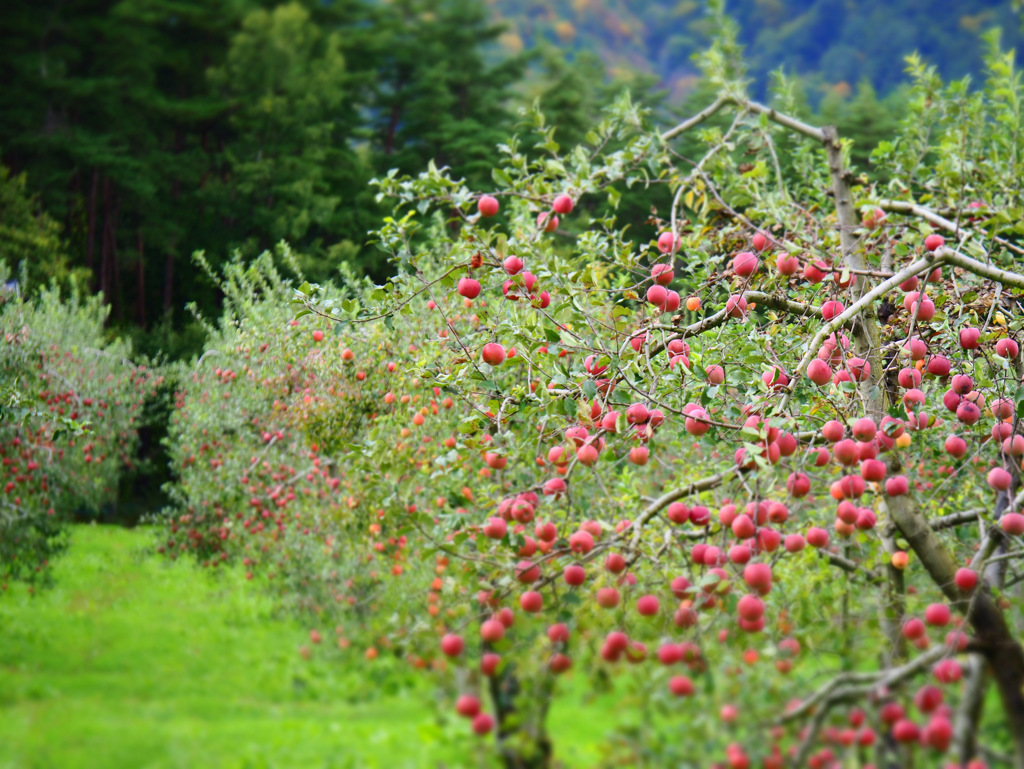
column 153, row 128
column 28, row 235
column 436, row 95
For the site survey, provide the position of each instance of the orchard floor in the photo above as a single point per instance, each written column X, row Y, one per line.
column 133, row 661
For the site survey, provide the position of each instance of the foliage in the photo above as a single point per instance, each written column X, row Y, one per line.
column 69, row 422
column 29, row 237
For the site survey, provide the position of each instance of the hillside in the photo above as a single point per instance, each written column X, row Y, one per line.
column 828, row 41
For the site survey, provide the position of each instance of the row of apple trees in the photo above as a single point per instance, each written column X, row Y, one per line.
column 762, row 459
column 69, row 418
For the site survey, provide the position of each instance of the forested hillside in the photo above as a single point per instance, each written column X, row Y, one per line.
column 830, row 41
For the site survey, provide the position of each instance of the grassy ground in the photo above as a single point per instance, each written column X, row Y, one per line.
column 132, row 661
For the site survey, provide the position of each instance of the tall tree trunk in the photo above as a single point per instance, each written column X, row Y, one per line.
column 107, row 243
column 140, row 286
column 168, row 280
column 396, row 113
column 118, row 299
column 90, row 251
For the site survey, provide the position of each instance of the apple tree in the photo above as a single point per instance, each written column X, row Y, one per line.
column 70, row 410
column 767, row 451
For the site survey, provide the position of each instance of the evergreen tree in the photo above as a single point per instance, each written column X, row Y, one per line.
column 285, row 168
column 438, row 96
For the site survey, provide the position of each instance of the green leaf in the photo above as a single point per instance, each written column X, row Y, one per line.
column 501, row 177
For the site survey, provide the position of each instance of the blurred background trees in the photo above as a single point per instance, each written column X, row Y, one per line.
column 135, row 132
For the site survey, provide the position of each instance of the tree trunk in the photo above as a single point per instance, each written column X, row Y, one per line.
column 107, row 248
column 140, row 286
column 995, row 640
column 118, row 299
column 90, row 251
column 168, row 280
column 1001, row 650
column 520, row 746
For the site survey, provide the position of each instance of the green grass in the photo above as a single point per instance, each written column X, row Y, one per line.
column 133, row 661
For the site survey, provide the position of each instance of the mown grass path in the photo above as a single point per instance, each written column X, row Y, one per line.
column 133, row 661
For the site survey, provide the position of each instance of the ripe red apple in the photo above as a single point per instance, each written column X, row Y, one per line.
column 558, row 633
column 680, row 686
column 999, row 479
column 750, row 608
column 559, row 663
column 492, row 630
column 574, row 575
column 787, row 264
column 467, row 705
column 758, row 576
column 905, row 730
column 563, row 204
column 956, row 446
column 745, row 264
column 615, row 563
column 587, row 455
column 818, row 371
column 759, row 241
column 928, row 698
column 469, row 288
column 1007, row 348
column 815, row 272
column 662, row 274
column 493, row 354
column 489, row 663
column 736, row 306
column 937, row 614
column 581, row 542
column 1012, row 523
column 831, row 309
column 743, row 527
column 934, row 242
column 668, row 243
column 495, row 528
column 452, row 645
column 969, row 338
column 678, row 513
column 966, row 579
column 487, row 205
column 607, row 597
column 817, row 537
column 833, row 431
column 657, row 295
column 873, row 218
column 909, row 378
column 483, row 724
column 513, row 265
column 648, row 605
column 548, row 221
column 798, row 484
column 527, row 572
column 913, row 629
column 531, row 601
column 897, row 486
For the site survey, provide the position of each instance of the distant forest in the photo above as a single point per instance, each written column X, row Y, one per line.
column 829, row 42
